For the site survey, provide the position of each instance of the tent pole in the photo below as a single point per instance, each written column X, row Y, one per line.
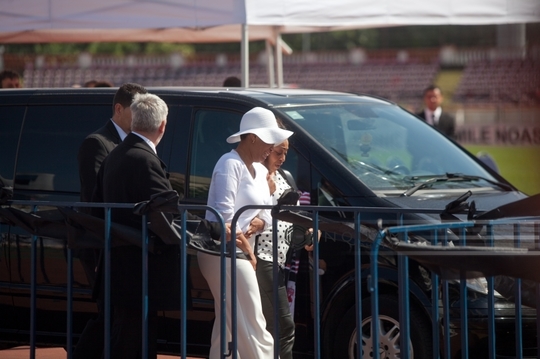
column 245, row 56
column 279, row 60
column 270, row 64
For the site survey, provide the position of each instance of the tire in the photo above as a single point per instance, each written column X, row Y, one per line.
column 344, row 343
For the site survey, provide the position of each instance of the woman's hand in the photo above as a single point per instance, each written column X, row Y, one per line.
column 228, row 233
column 243, row 243
column 310, row 247
column 256, row 225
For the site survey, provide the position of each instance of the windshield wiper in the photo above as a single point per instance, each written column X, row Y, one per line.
column 453, row 177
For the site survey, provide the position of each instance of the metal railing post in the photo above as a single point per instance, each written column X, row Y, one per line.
column 373, row 285
column 358, row 283
column 107, row 284
column 33, row 293
column 403, row 295
column 446, row 309
column 435, row 305
column 183, row 286
column 316, row 288
column 491, row 301
column 463, row 306
column 517, row 293
column 69, row 324
column 145, row 308
column 275, row 286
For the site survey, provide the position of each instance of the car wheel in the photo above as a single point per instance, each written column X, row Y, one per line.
column 345, row 344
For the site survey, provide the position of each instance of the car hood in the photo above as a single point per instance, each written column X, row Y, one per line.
column 485, row 201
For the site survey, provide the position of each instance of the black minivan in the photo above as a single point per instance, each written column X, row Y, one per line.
column 347, row 150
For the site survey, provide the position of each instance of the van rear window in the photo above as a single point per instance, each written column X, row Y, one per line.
column 10, row 123
column 50, row 140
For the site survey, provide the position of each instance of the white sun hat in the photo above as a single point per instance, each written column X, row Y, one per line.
column 261, row 122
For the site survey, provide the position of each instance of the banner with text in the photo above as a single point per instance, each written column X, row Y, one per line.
column 503, row 134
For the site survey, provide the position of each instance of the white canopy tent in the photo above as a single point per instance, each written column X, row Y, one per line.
column 190, row 21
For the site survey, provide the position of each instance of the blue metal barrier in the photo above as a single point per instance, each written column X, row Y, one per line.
column 404, row 232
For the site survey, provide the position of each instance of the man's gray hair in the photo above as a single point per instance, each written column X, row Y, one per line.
column 148, row 111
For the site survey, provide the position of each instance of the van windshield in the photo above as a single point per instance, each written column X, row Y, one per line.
column 389, row 149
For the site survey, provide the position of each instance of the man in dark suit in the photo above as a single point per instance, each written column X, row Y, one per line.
column 133, row 173
column 433, row 113
column 99, row 144
column 92, row 152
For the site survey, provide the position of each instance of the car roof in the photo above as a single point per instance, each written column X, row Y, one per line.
column 271, row 97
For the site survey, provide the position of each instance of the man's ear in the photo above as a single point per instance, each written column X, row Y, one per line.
column 162, row 126
column 118, row 108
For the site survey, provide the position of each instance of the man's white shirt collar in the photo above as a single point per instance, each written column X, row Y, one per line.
column 150, row 143
column 121, row 132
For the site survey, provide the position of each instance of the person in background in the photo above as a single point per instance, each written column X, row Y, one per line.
column 232, row 81
column 92, row 152
column 90, row 83
column 239, row 179
column 96, row 83
column 9, row 79
column 433, row 113
column 488, row 160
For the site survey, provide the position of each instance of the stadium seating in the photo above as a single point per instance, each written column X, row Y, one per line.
column 389, row 79
column 500, row 81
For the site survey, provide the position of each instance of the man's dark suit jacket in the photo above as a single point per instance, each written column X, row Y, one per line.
column 447, row 123
column 130, row 174
column 92, row 152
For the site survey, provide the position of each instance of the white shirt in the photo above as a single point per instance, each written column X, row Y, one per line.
column 232, row 187
column 432, row 117
column 150, row 143
column 121, row 132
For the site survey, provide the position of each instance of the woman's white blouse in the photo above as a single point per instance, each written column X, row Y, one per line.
column 232, row 187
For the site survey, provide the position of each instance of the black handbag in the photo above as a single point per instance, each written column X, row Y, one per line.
column 202, row 241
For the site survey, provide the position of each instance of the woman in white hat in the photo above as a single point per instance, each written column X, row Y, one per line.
column 240, row 179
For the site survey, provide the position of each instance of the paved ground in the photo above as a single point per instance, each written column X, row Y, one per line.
column 47, row 353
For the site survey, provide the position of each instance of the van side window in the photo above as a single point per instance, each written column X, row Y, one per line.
column 50, row 140
column 10, row 122
column 211, row 129
column 173, row 147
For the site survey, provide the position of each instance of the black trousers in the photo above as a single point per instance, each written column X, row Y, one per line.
column 90, row 344
column 286, row 322
column 126, row 340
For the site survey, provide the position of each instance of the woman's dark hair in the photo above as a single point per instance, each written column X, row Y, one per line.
column 280, row 123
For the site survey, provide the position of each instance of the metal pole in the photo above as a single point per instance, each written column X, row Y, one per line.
column 145, row 311
column 33, row 293
column 245, row 55
column 358, row 282
column 183, row 287
column 69, row 324
column 279, row 60
column 270, row 64
column 107, row 275
column 316, row 289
